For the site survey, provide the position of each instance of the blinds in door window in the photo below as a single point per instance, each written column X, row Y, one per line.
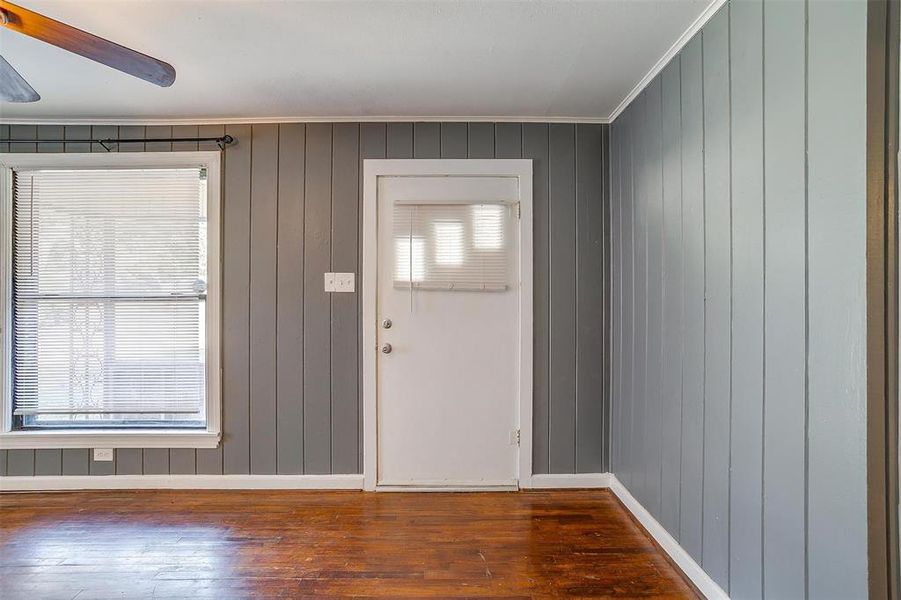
column 109, row 292
column 456, row 247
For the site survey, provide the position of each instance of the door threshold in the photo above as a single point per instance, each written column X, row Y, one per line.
column 446, row 488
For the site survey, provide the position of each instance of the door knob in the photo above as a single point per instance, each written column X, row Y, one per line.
column 386, row 348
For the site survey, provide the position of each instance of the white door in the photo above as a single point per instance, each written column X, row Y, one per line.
column 448, row 331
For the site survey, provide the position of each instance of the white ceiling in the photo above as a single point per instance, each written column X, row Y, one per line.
column 273, row 60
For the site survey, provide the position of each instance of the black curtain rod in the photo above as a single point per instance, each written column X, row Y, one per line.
column 107, row 143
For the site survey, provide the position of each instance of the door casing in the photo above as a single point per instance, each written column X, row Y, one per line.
column 373, row 169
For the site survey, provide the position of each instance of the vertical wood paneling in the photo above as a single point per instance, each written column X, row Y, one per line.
column 671, row 367
column 717, row 293
column 373, row 140
column 50, row 132
column 185, row 131
column 182, row 461
column 98, row 132
column 606, row 280
column 589, row 232
column 208, row 461
column 160, row 132
column 129, row 461
column 746, row 481
column 263, row 314
column 291, row 355
column 236, row 304
column 654, row 419
column 640, row 174
column 400, row 140
column 616, row 298
column 427, row 140
column 75, row 461
column 49, row 462
column 535, row 147
column 210, row 131
column 454, row 140
column 316, row 304
column 131, row 132
column 345, row 399
column 562, row 266
column 693, row 300
column 289, row 301
column 836, row 134
column 481, row 140
column 78, row 132
column 785, row 421
column 100, row 467
column 764, row 178
column 628, row 305
column 508, row 140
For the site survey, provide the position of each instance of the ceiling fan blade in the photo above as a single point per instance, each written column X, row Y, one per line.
column 13, row 88
column 85, row 44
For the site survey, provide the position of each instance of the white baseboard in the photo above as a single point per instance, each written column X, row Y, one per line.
column 549, row 481
column 692, row 570
column 181, row 482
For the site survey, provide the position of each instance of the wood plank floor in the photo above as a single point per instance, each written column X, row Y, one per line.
column 289, row 544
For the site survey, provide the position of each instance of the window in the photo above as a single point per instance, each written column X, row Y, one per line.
column 111, row 290
column 452, row 247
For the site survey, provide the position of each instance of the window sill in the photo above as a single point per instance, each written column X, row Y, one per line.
column 109, row 438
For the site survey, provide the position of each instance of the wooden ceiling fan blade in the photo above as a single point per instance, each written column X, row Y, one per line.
column 85, row 44
column 13, row 87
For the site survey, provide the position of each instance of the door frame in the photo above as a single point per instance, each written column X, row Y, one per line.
column 883, row 59
column 373, row 169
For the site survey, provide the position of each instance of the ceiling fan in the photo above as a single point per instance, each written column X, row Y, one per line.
column 13, row 88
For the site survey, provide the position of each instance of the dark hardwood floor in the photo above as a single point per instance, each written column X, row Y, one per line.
column 261, row 544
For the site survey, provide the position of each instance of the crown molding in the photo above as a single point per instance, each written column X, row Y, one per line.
column 300, row 119
column 695, row 27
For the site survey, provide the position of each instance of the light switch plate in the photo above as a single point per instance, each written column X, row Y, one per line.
column 103, row 454
column 339, row 282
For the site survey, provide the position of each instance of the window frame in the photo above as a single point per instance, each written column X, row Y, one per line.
column 124, row 437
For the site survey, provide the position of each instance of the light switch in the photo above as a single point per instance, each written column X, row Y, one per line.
column 103, row 454
column 339, row 282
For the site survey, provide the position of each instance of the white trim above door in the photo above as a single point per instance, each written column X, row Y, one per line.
column 372, row 171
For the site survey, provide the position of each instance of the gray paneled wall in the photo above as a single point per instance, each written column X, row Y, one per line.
column 738, row 300
column 291, row 353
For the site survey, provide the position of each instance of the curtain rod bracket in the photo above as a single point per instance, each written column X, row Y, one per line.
column 225, row 141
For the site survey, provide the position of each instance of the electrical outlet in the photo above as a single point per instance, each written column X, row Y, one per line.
column 103, row 454
column 339, row 282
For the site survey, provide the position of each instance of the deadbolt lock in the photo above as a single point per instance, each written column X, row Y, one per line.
column 386, row 323
column 386, row 348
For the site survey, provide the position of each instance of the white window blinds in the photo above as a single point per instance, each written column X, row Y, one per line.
column 456, row 247
column 109, row 292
